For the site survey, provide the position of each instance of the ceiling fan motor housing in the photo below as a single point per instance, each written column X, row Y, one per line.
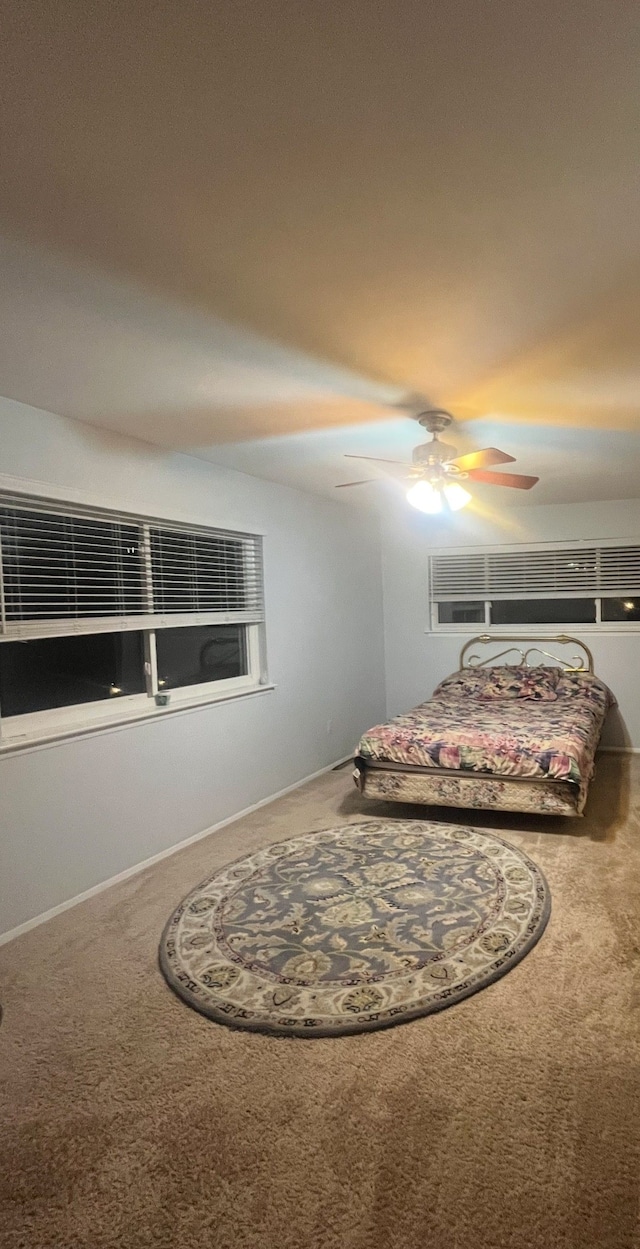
column 435, row 420
column 435, row 452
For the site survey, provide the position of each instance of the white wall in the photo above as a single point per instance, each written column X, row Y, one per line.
column 78, row 812
column 415, row 661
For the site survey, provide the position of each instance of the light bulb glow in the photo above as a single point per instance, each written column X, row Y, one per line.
column 456, row 496
column 429, row 498
column 425, row 497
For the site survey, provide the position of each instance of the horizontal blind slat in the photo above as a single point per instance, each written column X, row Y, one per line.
column 73, row 565
column 590, row 570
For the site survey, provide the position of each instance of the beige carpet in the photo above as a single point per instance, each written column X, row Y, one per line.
column 510, row 1120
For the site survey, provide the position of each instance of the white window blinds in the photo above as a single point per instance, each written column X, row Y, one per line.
column 557, row 572
column 67, row 570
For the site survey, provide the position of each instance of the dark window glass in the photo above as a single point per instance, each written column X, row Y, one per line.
column 461, row 613
column 543, row 611
column 192, row 572
column 59, row 567
column 58, row 672
column 191, row 656
column 621, row 609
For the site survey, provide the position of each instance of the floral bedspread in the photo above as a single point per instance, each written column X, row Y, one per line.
column 511, row 737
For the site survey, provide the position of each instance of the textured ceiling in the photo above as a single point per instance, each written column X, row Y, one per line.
column 406, row 197
column 87, row 346
column 574, row 466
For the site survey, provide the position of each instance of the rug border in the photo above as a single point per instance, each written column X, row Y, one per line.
column 351, row 1029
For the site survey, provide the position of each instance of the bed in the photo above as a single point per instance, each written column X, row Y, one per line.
column 515, row 730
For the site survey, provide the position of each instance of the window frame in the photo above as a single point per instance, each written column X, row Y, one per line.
column 245, row 681
column 594, row 626
column 79, row 718
column 597, row 626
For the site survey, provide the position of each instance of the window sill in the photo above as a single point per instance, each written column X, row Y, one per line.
column 38, row 740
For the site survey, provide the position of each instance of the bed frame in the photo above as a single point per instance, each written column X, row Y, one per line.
column 391, row 782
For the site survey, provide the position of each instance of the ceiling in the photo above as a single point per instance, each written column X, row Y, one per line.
column 573, row 466
column 244, row 230
column 98, row 349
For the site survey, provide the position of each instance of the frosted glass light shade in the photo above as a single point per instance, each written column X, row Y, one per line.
column 425, row 497
column 456, row 496
column 429, row 498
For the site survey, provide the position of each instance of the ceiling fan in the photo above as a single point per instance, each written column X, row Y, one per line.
column 436, row 471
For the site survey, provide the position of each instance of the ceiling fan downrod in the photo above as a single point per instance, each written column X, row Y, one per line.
column 434, row 453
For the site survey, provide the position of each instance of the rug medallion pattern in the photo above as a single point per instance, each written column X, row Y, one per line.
column 354, row 928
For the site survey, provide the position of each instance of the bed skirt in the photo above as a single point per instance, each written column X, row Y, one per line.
column 432, row 787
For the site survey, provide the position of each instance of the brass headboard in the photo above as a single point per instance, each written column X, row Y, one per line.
column 574, row 663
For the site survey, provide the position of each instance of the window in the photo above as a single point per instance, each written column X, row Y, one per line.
column 597, row 586
column 65, row 671
column 99, row 609
column 197, row 656
column 461, row 613
column 542, row 611
column 620, row 608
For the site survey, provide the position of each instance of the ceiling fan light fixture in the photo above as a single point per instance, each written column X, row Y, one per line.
column 456, row 496
column 425, row 497
column 438, row 469
column 429, row 498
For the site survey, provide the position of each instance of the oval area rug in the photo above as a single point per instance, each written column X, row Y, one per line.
column 354, row 928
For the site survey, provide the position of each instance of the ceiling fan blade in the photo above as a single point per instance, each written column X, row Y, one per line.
column 342, row 484
column 482, row 459
column 516, row 481
column 376, row 459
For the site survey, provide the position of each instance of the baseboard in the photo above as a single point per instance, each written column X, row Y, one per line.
column 619, row 750
column 162, row 854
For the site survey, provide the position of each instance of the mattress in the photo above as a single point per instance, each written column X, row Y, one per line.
column 506, row 737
